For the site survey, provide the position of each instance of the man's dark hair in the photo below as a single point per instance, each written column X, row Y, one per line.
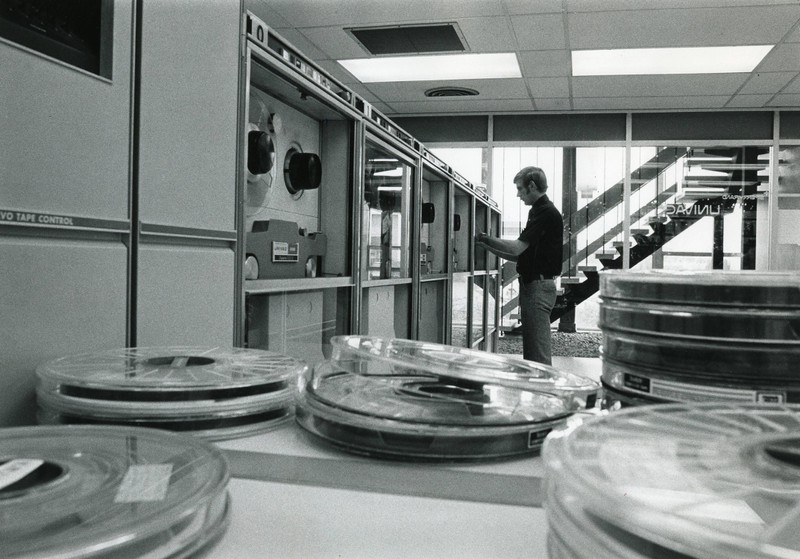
column 535, row 175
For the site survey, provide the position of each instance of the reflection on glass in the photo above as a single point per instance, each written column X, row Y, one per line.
column 460, row 310
column 481, row 224
column 787, row 245
column 478, row 288
column 462, row 240
column 387, row 181
column 491, row 290
column 299, row 324
column 433, row 231
column 432, row 311
column 386, row 311
column 702, row 210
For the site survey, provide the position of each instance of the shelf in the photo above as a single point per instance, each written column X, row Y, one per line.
column 252, row 287
column 381, row 282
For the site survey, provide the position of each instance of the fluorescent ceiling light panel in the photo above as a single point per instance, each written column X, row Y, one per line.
column 688, row 60
column 434, row 67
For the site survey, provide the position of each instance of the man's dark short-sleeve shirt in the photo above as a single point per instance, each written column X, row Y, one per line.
column 544, row 234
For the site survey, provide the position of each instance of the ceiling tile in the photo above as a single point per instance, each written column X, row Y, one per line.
column 487, row 89
column 459, row 105
column 685, row 27
column 539, row 32
column 559, row 104
column 519, row 7
column 794, row 36
column 782, row 58
column 766, row 82
column 785, row 100
column 749, row 101
column 487, row 34
column 334, row 42
column 793, row 87
column 641, row 103
column 264, row 11
column 609, row 5
column 544, row 63
column 549, row 87
column 380, row 12
column 656, row 86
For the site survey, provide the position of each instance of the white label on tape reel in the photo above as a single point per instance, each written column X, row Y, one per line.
column 148, row 482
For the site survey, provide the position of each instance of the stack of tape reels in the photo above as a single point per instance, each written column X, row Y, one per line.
column 420, row 401
column 676, row 481
column 213, row 393
column 700, row 336
column 107, row 492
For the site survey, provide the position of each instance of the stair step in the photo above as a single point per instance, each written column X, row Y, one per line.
column 559, row 291
column 570, row 281
column 640, row 231
column 587, row 268
column 658, row 219
column 606, row 255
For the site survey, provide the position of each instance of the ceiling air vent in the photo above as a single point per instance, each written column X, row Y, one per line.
column 450, row 92
column 409, row 39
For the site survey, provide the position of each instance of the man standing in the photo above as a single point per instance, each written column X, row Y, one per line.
column 538, row 253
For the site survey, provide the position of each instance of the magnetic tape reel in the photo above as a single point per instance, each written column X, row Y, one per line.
column 739, row 288
column 107, row 492
column 213, row 393
column 684, row 480
column 375, row 356
column 412, row 400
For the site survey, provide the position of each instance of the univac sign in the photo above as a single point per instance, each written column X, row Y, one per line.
column 692, row 211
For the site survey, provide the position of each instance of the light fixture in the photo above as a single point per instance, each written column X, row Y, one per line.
column 684, row 60
column 434, row 67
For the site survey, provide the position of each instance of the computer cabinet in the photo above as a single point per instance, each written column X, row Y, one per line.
column 347, row 224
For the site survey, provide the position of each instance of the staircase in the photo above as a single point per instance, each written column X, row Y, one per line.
column 721, row 176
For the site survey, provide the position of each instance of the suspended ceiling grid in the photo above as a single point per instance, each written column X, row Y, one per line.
column 542, row 33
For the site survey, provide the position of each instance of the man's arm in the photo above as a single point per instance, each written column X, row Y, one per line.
column 509, row 249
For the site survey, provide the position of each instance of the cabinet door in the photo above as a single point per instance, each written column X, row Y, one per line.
column 64, row 133
column 57, row 297
column 185, row 296
column 188, row 111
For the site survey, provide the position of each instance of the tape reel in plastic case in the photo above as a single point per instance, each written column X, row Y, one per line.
column 630, row 384
column 413, row 400
column 420, row 418
column 106, row 492
column 376, row 356
column 689, row 357
column 685, row 480
column 213, row 393
column 740, row 288
column 729, row 324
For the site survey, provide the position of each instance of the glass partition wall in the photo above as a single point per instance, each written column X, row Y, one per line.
column 386, row 241
column 434, row 264
column 786, row 223
column 695, row 207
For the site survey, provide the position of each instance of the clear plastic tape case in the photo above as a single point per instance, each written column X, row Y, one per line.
column 109, row 492
column 214, row 393
column 749, row 325
column 739, row 288
column 412, row 400
column 377, row 356
column 701, row 480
